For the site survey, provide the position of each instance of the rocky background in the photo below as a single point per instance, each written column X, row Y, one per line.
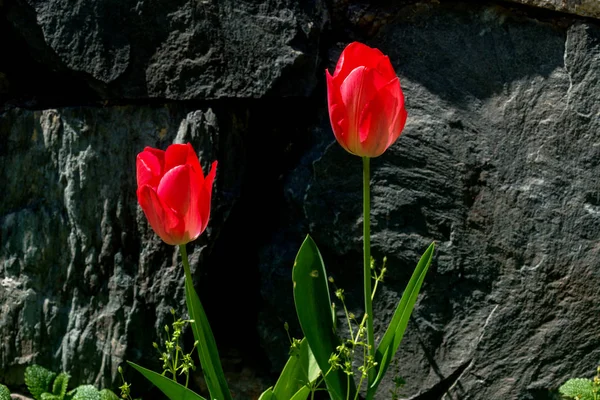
column 499, row 164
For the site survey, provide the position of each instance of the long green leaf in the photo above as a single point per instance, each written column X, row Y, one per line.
column 207, row 348
column 169, row 387
column 301, row 394
column 393, row 335
column 267, row 395
column 301, row 370
column 313, row 306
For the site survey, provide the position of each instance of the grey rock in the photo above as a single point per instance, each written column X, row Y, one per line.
column 179, row 49
column 84, row 282
column 19, row 397
column 586, row 8
column 499, row 165
column 78, row 260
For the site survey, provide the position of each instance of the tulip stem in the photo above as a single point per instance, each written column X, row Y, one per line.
column 186, row 264
column 367, row 263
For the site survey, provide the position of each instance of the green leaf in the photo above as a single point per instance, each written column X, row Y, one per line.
column 207, row 348
column 107, row 394
column 300, row 371
column 38, row 380
column 169, row 387
column 301, row 394
column 393, row 335
column 4, row 392
column 49, row 396
column 85, row 392
column 267, row 395
column 578, row 388
column 313, row 306
column 59, row 387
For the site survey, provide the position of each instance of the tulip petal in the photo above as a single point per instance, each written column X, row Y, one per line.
column 161, row 218
column 360, row 87
column 150, row 166
column 382, row 120
column 192, row 159
column 176, row 154
column 351, row 92
column 357, row 54
column 204, row 200
column 337, row 112
column 399, row 121
column 175, row 189
column 384, row 66
column 180, row 191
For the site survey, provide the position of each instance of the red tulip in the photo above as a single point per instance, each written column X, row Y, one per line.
column 366, row 104
column 174, row 193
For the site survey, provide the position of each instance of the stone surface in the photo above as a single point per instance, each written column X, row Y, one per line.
column 73, row 265
column 586, row 8
column 182, row 49
column 84, row 283
column 499, row 165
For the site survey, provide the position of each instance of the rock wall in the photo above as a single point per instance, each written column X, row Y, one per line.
column 498, row 164
column 587, row 8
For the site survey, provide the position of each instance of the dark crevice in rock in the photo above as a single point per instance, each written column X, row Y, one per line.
column 440, row 389
column 24, row 80
column 230, row 275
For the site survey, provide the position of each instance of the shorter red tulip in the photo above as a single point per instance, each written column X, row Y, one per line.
column 366, row 103
column 174, row 193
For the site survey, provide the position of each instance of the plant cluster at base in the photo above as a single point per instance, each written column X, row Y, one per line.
column 581, row 388
column 44, row 384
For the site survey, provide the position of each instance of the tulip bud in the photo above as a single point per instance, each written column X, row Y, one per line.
column 366, row 103
column 173, row 192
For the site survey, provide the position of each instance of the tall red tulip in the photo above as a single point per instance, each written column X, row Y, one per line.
column 174, row 193
column 366, row 104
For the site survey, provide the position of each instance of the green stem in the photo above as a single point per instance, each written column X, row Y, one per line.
column 188, row 276
column 348, row 319
column 176, row 362
column 348, row 387
column 374, row 289
column 367, row 262
column 186, row 264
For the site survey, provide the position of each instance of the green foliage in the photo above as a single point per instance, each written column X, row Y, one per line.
column 59, row 387
column 106, row 394
column 169, row 387
column 299, row 376
column 4, row 393
column 582, row 389
column 206, row 345
column 578, row 389
column 267, row 395
column 85, row 392
column 38, row 380
column 395, row 332
column 175, row 360
column 311, row 294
